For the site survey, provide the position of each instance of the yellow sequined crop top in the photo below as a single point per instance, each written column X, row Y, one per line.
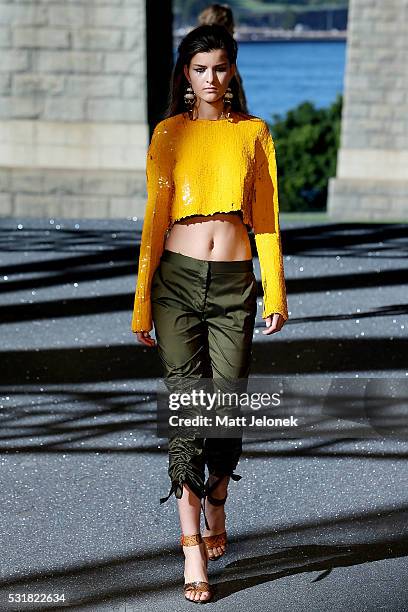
column 206, row 166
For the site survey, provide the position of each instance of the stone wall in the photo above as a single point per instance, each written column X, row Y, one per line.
column 372, row 175
column 73, row 108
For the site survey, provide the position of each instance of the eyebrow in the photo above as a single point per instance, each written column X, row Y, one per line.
column 204, row 66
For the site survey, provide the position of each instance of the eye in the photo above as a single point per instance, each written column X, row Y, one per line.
column 220, row 69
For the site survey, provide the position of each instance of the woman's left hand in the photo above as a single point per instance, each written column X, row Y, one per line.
column 274, row 323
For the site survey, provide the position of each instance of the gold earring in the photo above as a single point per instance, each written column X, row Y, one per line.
column 227, row 100
column 189, row 97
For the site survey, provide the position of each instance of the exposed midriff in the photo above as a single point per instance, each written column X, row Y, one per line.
column 216, row 237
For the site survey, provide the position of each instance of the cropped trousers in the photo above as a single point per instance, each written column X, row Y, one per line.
column 204, row 315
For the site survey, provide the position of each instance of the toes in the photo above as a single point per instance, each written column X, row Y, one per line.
column 216, row 552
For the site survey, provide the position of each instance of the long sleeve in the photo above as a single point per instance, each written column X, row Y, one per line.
column 156, row 221
column 265, row 218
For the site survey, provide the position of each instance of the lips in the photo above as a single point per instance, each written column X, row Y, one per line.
column 210, row 89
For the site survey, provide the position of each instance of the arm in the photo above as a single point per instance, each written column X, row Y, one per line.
column 265, row 223
column 155, row 223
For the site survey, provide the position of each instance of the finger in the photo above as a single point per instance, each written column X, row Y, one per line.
column 144, row 338
column 271, row 323
column 269, row 330
column 148, row 341
column 272, row 329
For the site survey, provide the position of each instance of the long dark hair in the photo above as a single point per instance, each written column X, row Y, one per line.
column 203, row 39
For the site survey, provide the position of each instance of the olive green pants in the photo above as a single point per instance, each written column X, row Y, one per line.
column 204, row 316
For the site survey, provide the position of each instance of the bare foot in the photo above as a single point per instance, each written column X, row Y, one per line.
column 195, row 569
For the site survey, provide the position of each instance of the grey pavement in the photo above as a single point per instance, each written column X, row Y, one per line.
column 316, row 523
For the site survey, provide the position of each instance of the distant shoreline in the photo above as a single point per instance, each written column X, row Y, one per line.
column 252, row 34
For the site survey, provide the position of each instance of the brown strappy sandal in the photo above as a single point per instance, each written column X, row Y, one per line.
column 198, row 586
column 220, row 539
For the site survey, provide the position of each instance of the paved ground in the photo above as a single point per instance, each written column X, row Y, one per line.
column 316, row 524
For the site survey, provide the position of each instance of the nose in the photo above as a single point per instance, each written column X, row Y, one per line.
column 210, row 78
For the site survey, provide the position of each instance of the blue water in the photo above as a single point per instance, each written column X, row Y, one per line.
column 280, row 75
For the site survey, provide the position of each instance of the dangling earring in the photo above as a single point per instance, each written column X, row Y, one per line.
column 189, row 99
column 227, row 100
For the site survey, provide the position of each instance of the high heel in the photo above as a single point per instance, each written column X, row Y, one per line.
column 198, row 586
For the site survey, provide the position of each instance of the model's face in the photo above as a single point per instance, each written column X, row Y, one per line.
column 209, row 74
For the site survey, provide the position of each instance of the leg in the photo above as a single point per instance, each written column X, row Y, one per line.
column 182, row 345
column 231, row 320
column 183, row 350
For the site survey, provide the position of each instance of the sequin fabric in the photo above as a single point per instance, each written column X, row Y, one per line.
column 202, row 167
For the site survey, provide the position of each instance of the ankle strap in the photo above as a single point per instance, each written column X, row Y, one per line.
column 209, row 488
column 215, row 501
column 191, row 540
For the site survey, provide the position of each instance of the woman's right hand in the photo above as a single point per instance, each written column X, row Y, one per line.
column 144, row 338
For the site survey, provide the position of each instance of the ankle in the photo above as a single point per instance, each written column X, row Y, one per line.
column 195, row 563
column 191, row 552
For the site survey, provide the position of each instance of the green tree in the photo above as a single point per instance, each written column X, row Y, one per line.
column 306, row 141
column 288, row 20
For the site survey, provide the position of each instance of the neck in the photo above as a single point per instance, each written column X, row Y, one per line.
column 209, row 111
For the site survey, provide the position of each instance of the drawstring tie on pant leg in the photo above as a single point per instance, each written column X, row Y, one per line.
column 203, row 509
column 177, row 489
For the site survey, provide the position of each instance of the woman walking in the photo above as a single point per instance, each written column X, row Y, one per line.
column 211, row 175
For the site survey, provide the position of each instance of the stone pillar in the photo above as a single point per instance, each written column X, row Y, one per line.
column 372, row 164
column 73, row 108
